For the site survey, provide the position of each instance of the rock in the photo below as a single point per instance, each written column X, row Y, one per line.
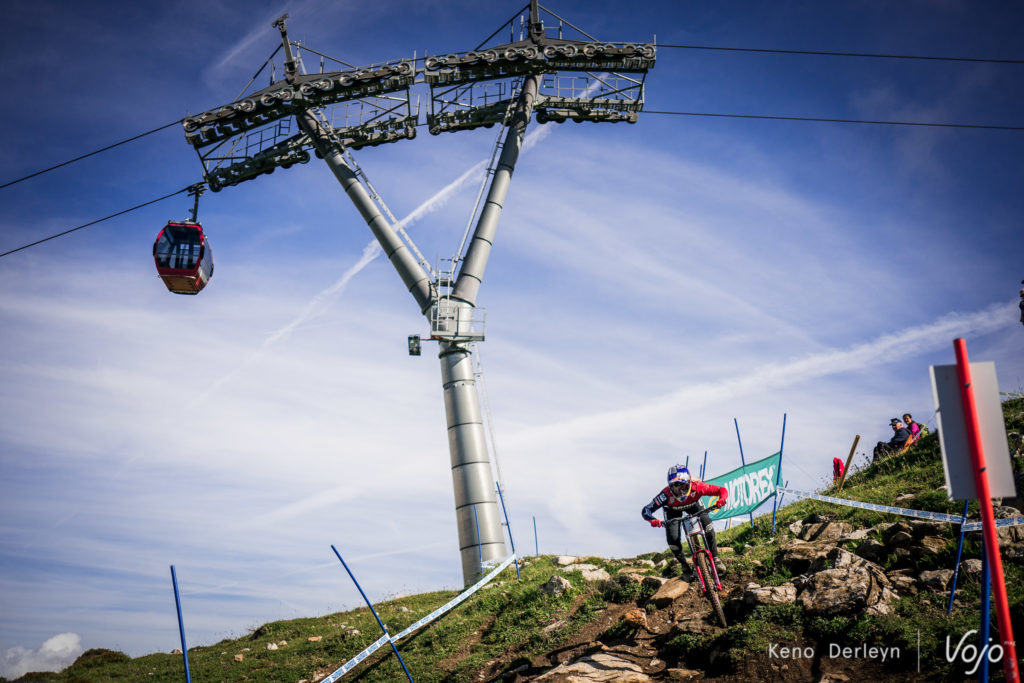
column 636, row 617
column 884, row 604
column 904, row 499
column 856, row 535
column 557, row 585
column 899, row 534
column 834, row 677
column 922, row 527
column 403, row 608
column 669, row 593
column 553, row 626
column 825, row 531
column 899, row 539
column 769, row 595
column 630, row 576
column 353, row 632
column 590, row 572
column 971, row 567
column 661, row 564
column 1005, row 512
column 872, row 550
column 282, row 643
column 239, row 658
column 848, row 589
column 599, row 666
column 654, row 582
column 726, row 550
column 314, row 639
column 801, row 556
column 176, row 651
column 565, row 560
column 903, row 581
column 795, row 527
column 937, row 579
column 645, row 563
column 271, row 646
column 931, row 545
column 682, row 674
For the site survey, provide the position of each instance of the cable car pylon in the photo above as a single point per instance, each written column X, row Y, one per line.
column 610, row 90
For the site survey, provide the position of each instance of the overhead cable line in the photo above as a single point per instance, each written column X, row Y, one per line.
column 84, row 156
column 826, row 120
column 98, row 220
column 847, row 54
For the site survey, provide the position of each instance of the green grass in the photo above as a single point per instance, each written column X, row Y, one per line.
column 507, row 619
column 507, row 616
column 919, row 471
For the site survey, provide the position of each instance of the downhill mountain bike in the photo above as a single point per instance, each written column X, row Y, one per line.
column 700, row 557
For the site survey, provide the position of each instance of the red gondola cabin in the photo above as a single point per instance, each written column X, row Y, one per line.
column 184, row 260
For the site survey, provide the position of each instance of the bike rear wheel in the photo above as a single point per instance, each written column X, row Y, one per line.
column 712, row 592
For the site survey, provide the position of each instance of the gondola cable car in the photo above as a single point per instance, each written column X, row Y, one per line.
column 182, row 253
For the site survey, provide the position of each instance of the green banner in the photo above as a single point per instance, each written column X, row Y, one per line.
column 748, row 486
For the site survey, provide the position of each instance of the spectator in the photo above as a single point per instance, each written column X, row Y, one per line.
column 837, row 469
column 916, row 429
column 895, row 444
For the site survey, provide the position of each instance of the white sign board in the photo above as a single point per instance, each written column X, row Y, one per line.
column 956, row 457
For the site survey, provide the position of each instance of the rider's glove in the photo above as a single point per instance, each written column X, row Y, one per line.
column 655, row 522
column 718, row 506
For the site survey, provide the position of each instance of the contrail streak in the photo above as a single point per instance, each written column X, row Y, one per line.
column 888, row 348
column 370, row 252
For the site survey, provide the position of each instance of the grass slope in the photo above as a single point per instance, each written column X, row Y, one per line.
column 513, row 630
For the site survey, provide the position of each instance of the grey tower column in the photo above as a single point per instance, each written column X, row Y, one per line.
column 481, row 537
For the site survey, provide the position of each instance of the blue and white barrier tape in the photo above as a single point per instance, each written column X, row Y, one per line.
column 380, row 642
column 1009, row 521
column 457, row 599
column 921, row 514
column 351, row 664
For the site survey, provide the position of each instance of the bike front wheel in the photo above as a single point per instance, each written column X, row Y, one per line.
column 712, row 592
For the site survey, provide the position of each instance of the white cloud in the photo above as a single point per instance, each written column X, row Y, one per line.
column 54, row 655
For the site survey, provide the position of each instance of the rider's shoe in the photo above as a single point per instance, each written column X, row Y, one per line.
column 719, row 566
column 688, row 575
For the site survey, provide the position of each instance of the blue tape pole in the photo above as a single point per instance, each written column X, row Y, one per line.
column 508, row 526
column 536, row 548
column 743, row 461
column 956, row 569
column 687, row 465
column 778, row 475
column 704, row 466
column 379, row 622
column 181, row 625
column 986, row 606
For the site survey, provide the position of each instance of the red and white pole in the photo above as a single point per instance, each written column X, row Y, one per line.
column 988, row 520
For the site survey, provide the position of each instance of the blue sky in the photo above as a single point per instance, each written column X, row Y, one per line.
column 649, row 283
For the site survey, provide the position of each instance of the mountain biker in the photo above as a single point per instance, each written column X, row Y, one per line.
column 682, row 495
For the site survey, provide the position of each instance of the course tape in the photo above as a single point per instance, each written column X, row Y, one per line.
column 1009, row 521
column 351, row 664
column 921, row 514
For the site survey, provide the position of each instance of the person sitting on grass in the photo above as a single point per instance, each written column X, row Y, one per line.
column 916, row 429
column 895, row 444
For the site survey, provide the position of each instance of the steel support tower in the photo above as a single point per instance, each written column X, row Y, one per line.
column 504, row 84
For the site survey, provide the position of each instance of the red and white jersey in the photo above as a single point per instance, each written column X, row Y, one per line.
column 667, row 499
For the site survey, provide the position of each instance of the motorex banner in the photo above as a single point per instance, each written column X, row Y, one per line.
column 748, row 486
